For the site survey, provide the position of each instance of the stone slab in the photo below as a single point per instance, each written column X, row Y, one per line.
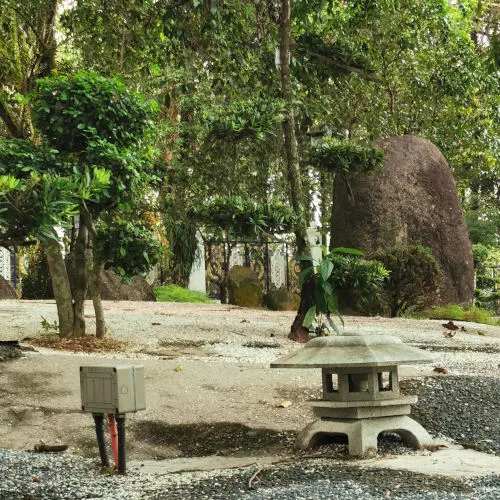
column 192, row 464
column 454, row 461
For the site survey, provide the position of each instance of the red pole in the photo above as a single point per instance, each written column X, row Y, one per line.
column 113, row 432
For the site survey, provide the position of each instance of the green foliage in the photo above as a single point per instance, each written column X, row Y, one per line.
column 450, row 311
column 487, row 265
column 244, row 119
column 345, row 157
column 72, row 110
column 456, row 312
column 183, row 249
column 39, row 191
column 234, row 217
column 127, row 247
column 480, row 252
column 175, row 293
column 49, row 327
column 36, row 283
column 341, row 276
column 484, row 229
column 415, row 278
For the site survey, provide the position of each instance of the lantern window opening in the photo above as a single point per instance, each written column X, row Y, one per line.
column 358, row 382
column 331, row 383
column 385, row 381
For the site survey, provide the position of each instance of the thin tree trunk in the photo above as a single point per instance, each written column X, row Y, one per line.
column 100, row 324
column 80, row 280
column 224, row 295
column 61, row 287
column 297, row 332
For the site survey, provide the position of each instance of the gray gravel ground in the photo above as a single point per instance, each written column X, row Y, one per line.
column 451, row 406
column 462, row 405
column 52, row 476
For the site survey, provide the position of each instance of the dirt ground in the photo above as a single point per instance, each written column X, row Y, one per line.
column 209, row 388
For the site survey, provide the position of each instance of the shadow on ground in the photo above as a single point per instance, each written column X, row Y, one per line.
column 219, row 438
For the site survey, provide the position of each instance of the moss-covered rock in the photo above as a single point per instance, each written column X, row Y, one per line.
column 243, row 287
column 281, row 300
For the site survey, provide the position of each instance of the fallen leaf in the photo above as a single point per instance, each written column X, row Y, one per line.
column 479, row 332
column 284, row 404
column 451, row 326
column 156, row 324
column 178, row 368
column 463, row 329
column 448, row 335
column 244, row 321
column 440, row 369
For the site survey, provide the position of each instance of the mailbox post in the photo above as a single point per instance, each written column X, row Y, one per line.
column 115, row 391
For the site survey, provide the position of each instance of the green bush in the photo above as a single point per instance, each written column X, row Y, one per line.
column 36, row 283
column 487, row 267
column 415, row 280
column 71, row 110
column 450, row 311
column 341, row 279
column 175, row 293
column 457, row 313
column 477, row 315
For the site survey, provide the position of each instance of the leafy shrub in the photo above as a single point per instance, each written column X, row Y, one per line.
column 450, row 311
column 457, row 313
column 36, row 283
column 71, row 110
column 415, row 280
column 340, row 278
column 128, row 247
column 175, row 293
column 477, row 315
column 487, row 267
column 345, row 156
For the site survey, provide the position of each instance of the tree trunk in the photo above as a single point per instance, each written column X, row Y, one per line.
column 297, row 332
column 100, row 324
column 224, row 296
column 80, row 280
column 61, row 287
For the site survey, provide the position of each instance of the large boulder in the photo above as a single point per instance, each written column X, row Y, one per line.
column 281, row 300
column 243, row 287
column 113, row 288
column 6, row 291
column 412, row 200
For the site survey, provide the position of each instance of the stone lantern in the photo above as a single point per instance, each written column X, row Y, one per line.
column 361, row 395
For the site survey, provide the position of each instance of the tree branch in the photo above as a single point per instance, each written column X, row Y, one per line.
column 346, row 67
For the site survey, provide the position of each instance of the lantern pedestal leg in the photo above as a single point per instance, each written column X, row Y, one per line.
column 363, row 433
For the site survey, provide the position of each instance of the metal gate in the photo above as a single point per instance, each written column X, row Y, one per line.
column 273, row 262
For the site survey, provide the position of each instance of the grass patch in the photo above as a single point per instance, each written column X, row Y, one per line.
column 175, row 293
column 458, row 313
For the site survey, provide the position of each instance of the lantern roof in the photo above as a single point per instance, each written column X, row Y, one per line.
column 353, row 350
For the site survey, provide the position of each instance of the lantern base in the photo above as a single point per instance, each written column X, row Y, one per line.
column 362, row 433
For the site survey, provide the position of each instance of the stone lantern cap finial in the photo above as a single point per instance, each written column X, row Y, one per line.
column 353, row 350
